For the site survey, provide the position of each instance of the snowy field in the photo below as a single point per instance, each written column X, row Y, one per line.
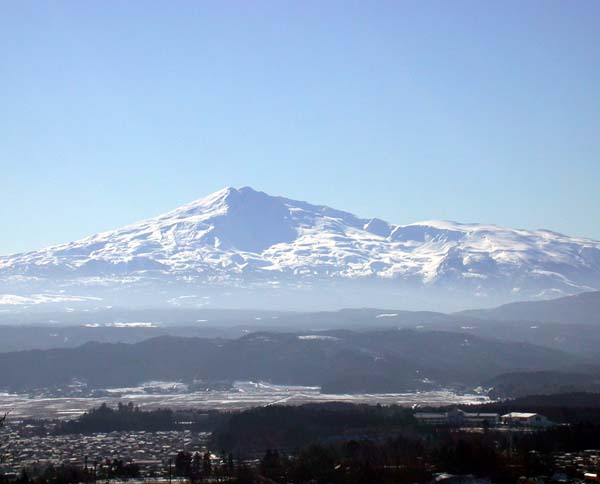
column 243, row 395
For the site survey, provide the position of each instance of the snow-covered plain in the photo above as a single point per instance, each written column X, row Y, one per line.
column 245, row 238
column 243, row 395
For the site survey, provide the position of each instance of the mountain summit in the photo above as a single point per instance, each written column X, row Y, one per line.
column 245, row 240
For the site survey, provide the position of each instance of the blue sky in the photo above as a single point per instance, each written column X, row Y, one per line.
column 472, row 111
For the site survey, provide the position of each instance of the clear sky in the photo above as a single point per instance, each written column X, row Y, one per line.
column 111, row 112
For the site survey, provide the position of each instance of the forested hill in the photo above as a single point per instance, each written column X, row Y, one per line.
column 339, row 361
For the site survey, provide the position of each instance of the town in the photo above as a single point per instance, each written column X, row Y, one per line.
column 56, row 451
column 150, row 452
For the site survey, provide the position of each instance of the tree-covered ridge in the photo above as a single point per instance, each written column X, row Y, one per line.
column 131, row 418
column 293, row 427
column 378, row 361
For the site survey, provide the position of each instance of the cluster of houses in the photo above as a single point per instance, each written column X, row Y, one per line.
column 150, row 450
column 460, row 418
column 586, row 463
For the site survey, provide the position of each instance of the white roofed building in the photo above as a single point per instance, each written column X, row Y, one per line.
column 525, row 419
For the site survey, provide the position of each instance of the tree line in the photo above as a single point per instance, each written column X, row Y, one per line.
column 131, row 418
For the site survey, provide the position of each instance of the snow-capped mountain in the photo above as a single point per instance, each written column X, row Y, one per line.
column 246, row 239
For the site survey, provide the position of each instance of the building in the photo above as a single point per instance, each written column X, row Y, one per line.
column 524, row 419
column 431, row 418
column 458, row 418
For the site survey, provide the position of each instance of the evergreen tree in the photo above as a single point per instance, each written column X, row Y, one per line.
column 2, row 421
column 206, row 464
column 24, row 478
column 183, row 464
column 196, row 466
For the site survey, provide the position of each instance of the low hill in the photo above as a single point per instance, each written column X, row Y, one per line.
column 520, row 384
column 338, row 361
column 582, row 308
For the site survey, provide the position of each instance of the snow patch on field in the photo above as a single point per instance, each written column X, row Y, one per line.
column 15, row 300
column 136, row 324
column 317, row 337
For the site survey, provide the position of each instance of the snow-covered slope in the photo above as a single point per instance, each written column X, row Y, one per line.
column 245, row 238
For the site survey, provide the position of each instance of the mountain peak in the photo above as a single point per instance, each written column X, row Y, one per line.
column 242, row 237
column 225, row 196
